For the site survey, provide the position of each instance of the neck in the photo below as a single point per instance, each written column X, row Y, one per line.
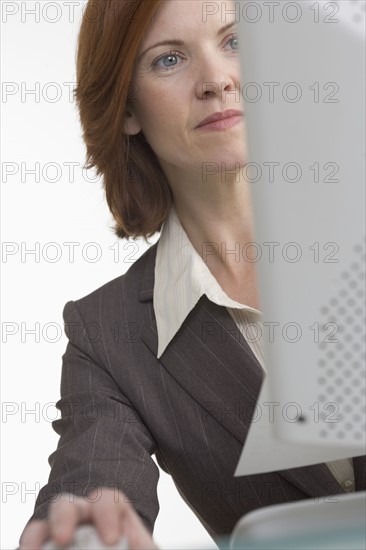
column 219, row 223
column 218, row 220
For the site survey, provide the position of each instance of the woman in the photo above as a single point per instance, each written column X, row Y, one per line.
column 157, row 362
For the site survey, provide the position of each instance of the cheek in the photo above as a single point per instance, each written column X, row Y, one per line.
column 160, row 119
column 159, row 104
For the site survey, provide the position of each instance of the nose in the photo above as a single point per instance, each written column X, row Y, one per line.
column 219, row 78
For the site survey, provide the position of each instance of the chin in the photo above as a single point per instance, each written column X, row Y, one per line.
column 232, row 162
column 232, row 153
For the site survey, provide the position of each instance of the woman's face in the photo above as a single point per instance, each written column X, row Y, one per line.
column 177, row 86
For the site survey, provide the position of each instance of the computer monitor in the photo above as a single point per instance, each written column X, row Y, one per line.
column 303, row 74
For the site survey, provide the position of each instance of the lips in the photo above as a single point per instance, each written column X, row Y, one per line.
column 220, row 116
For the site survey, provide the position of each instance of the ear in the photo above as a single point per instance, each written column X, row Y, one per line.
column 131, row 124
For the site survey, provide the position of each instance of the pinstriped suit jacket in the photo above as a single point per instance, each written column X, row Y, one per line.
column 191, row 408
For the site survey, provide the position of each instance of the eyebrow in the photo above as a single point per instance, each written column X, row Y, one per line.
column 181, row 42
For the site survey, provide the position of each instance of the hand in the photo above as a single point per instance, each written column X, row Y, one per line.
column 110, row 518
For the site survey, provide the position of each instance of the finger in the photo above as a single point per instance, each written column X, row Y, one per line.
column 138, row 537
column 64, row 515
column 34, row 535
column 105, row 514
column 114, row 515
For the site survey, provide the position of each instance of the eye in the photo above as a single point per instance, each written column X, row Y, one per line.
column 169, row 56
column 232, row 38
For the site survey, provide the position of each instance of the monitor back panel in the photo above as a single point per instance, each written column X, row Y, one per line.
column 303, row 83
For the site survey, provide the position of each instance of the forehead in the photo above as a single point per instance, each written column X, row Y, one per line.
column 186, row 16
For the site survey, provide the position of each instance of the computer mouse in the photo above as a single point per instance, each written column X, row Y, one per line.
column 86, row 537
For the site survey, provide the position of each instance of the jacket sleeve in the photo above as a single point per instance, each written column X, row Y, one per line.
column 103, row 442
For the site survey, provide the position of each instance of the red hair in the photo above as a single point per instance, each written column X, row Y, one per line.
column 137, row 191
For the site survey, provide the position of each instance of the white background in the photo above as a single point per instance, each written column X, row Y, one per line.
column 51, row 207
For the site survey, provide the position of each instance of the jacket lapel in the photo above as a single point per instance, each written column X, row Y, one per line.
column 209, row 358
column 359, row 467
column 212, row 361
column 217, row 370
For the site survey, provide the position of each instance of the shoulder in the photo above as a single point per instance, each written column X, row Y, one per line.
column 121, row 291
